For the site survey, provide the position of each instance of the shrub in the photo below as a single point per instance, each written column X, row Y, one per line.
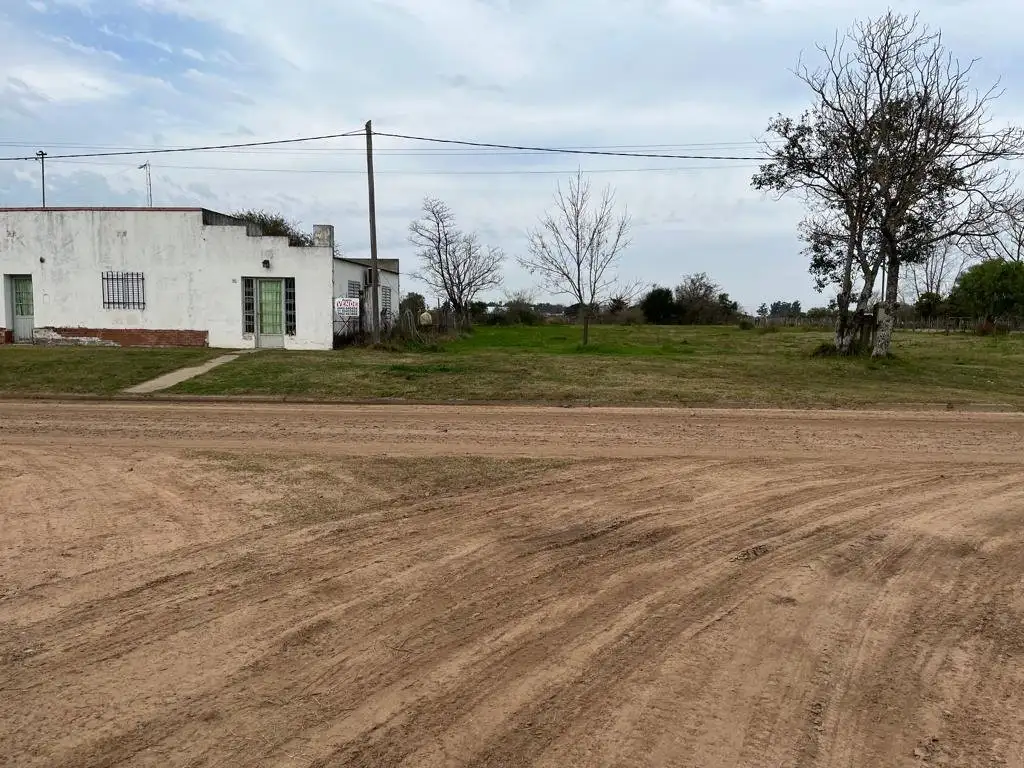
column 988, row 327
column 632, row 316
column 659, row 307
column 497, row 318
column 746, row 325
column 628, row 316
column 825, row 349
column 522, row 314
column 514, row 316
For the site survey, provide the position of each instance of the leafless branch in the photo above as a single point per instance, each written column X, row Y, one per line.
column 1006, row 242
column 629, row 291
column 575, row 249
column 936, row 274
column 453, row 263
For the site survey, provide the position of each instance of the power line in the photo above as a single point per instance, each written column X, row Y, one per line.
column 391, row 150
column 425, row 172
column 562, row 150
column 320, row 151
column 474, row 144
column 169, row 150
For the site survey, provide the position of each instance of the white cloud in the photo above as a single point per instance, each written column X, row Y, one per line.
column 80, row 48
column 135, row 37
column 57, row 83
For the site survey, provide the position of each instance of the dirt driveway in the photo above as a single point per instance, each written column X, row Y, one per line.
column 272, row 585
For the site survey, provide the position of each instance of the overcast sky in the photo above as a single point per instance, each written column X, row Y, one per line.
column 677, row 76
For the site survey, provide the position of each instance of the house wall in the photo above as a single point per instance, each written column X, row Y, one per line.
column 193, row 276
column 346, row 270
column 391, row 280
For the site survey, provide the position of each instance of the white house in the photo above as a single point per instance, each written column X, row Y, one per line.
column 352, row 278
column 171, row 277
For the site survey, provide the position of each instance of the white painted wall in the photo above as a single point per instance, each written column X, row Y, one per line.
column 391, row 280
column 193, row 273
column 346, row 270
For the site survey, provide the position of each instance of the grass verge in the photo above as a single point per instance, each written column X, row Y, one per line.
column 89, row 370
column 644, row 365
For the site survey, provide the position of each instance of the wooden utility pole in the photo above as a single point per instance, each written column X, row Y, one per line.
column 374, row 267
column 149, row 182
column 41, row 157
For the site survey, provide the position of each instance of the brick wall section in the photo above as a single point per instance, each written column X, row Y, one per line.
column 124, row 337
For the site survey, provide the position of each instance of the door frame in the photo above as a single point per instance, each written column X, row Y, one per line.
column 257, row 301
column 12, row 316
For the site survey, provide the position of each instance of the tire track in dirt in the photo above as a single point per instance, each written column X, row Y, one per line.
column 861, row 436
column 711, row 595
column 760, row 606
column 656, row 633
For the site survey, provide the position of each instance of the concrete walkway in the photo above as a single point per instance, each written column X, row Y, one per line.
column 168, row 380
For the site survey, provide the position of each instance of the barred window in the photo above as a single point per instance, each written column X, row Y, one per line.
column 124, row 290
column 248, row 305
column 354, row 288
column 289, row 306
column 385, row 299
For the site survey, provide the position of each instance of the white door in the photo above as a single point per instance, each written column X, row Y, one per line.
column 24, row 309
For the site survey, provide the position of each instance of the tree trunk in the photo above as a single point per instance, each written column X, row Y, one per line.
column 846, row 326
column 463, row 316
column 887, row 316
column 848, row 337
column 844, row 323
column 585, row 317
column 845, row 331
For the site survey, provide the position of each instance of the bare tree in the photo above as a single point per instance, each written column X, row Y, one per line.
column 937, row 273
column 628, row 292
column 1007, row 243
column 523, row 297
column 575, row 249
column 453, row 263
column 898, row 148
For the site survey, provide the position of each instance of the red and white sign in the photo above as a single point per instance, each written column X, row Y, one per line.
column 346, row 308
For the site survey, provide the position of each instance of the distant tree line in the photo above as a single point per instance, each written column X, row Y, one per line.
column 990, row 291
column 697, row 300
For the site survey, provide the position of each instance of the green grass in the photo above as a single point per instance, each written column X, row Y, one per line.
column 644, row 365
column 88, row 370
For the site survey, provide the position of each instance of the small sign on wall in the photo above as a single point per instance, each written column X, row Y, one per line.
column 346, row 308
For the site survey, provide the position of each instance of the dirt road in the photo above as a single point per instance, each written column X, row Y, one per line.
column 268, row 585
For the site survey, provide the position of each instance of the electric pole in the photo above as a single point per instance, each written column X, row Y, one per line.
column 149, row 183
column 41, row 157
column 374, row 267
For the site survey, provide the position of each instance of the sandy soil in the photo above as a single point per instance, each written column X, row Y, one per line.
column 267, row 585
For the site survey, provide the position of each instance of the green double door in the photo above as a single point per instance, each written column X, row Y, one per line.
column 269, row 313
